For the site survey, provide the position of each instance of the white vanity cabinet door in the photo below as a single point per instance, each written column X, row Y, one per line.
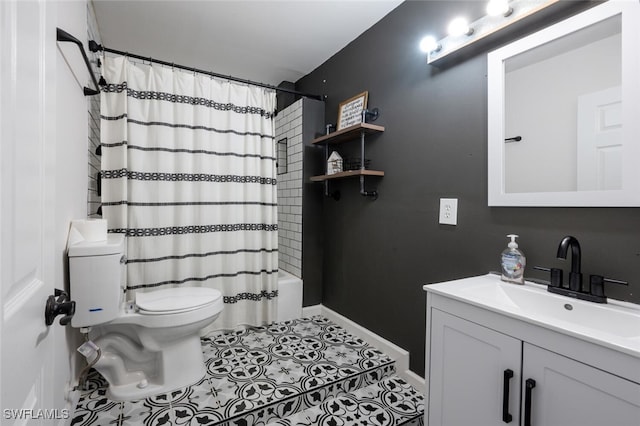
column 467, row 373
column 569, row 393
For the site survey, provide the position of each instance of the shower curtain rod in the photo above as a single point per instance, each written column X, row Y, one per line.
column 94, row 47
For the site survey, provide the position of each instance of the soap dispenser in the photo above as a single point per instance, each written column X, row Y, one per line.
column 513, row 262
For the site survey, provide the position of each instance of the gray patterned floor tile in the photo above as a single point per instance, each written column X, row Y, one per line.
column 257, row 376
column 390, row 402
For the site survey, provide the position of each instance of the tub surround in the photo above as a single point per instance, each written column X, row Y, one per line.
column 300, row 242
column 288, row 126
column 93, row 107
column 289, row 296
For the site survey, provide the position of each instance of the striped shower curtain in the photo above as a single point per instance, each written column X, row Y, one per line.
column 189, row 176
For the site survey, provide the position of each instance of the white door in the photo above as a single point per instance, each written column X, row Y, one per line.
column 27, row 141
column 570, row 393
column 474, row 374
column 599, row 134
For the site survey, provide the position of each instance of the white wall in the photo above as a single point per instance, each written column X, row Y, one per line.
column 70, row 173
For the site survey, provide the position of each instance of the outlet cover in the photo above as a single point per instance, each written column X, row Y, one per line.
column 449, row 211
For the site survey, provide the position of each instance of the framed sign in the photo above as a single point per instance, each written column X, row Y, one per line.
column 350, row 111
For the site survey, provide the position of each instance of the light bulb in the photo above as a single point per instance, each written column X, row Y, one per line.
column 498, row 7
column 458, row 27
column 429, row 44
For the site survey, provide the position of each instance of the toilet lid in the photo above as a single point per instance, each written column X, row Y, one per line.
column 176, row 299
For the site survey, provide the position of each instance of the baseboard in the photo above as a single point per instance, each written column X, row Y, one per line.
column 395, row 352
column 311, row 311
column 415, row 380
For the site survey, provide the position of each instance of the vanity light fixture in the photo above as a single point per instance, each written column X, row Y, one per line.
column 500, row 14
column 459, row 27
column 499, row 7
column 429, row 44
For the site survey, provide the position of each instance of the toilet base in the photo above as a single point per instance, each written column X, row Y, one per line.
column 131, row 392
column 178, row 365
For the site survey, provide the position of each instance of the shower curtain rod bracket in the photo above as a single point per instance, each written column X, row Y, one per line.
column 63, row 36
column 94, row 47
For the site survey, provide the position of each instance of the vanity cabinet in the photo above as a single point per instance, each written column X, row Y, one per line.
column 479, row 376
column 568, row 392
column 468, row 366
column 485, row 368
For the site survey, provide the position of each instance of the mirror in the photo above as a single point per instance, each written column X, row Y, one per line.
column 564, row 113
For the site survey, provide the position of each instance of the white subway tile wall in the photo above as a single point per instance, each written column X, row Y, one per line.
column 289, row 125
column 93, row 200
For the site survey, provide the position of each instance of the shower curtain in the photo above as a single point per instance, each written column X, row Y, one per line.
column 189, row 177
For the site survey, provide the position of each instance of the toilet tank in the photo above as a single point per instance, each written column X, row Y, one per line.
column 97, row 280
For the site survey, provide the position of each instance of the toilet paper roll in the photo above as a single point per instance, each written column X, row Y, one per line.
column 87, row 230
column 94, row 230
column 75, row 237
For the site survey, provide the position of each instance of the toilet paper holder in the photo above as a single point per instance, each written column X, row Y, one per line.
column 59, row 304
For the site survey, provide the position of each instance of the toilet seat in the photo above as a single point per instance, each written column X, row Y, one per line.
column 175, row 300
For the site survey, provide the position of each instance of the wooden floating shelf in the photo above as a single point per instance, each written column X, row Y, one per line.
column 348, row 173
column 348, row 133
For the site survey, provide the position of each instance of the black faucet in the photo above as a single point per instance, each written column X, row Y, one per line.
column 575, row 275
column 595, row 286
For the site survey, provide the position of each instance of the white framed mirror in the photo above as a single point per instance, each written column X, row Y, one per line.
column 564, row 113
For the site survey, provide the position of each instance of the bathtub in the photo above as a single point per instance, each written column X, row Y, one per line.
column 289, row 296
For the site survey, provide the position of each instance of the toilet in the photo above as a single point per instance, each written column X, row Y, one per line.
column 149, row 345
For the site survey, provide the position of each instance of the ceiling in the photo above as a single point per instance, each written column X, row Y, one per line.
column 265, row 41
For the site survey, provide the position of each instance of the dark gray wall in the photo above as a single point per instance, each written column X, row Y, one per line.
column 378, row 254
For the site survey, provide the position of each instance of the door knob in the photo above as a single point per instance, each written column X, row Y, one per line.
column 59, row 304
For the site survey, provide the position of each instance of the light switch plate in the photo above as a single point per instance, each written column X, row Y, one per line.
column 449, row 211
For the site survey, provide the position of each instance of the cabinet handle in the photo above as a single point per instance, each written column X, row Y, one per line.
column 529, row 385
column 508, row 374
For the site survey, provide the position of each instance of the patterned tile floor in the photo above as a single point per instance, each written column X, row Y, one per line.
column 302, row 372
column 389, row 402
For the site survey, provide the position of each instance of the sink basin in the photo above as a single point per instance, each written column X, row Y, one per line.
column 616, row 324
